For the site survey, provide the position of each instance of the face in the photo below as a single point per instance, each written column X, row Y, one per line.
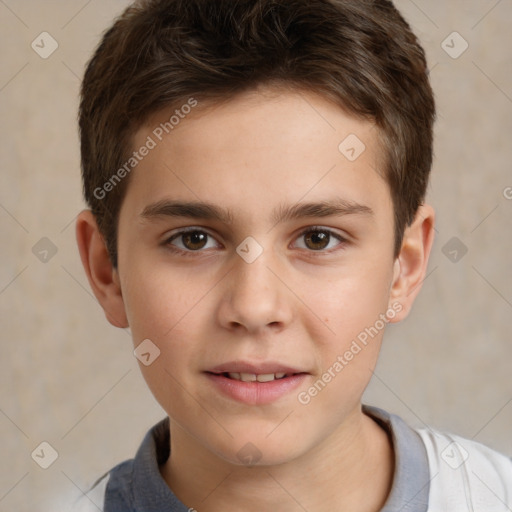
column 257, row 257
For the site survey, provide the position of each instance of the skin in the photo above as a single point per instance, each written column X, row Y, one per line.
column 295, row 305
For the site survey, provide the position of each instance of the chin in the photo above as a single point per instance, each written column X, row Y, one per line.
column 258, row 450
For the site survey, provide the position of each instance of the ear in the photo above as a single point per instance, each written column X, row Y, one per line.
column 103, row 277
column 410, row 267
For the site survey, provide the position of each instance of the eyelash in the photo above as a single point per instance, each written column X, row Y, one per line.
column 313, row 229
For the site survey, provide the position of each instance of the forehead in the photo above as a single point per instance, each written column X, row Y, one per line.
column 259, row 149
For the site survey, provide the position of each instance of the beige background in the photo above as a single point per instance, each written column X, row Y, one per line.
column 67, row 377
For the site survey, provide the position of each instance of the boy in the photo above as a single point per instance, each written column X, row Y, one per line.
column 256, row 172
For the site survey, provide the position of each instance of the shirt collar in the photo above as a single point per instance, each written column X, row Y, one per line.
column 411, row 478
column 409, row 492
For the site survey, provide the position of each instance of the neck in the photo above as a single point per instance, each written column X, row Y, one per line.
column 350, row 470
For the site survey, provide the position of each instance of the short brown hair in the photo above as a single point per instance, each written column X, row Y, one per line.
column 160, row 53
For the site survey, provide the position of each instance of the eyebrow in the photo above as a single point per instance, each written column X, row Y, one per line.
column 208, row 211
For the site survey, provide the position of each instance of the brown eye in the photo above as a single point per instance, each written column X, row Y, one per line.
column 190, row 241
column 317, row 240
column 320, row 240
column 194, row 240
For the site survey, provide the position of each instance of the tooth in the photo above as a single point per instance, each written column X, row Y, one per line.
column 235, row 376
column 265, row 377
column 248, row 377
column 280, row 375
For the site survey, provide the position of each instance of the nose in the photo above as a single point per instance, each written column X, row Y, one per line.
column 255, row 297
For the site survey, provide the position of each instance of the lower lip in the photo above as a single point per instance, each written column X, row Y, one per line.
column 256, row 393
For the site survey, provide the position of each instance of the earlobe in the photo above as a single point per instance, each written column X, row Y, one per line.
column 102, row 276
column 410, row 267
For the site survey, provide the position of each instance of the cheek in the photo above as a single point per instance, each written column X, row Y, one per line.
column 159, row 314
column 163, row 306
column 353, row 308
column 349, row 356
column 351, row 302
column 159, row 301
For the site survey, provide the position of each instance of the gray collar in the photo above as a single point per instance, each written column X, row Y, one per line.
column 138, row 485
column 411, row 479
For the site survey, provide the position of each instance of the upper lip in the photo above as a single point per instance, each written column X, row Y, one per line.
column 262, row 368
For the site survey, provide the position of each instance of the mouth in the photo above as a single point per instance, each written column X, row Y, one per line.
column 255, row 384
column 254, row 377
